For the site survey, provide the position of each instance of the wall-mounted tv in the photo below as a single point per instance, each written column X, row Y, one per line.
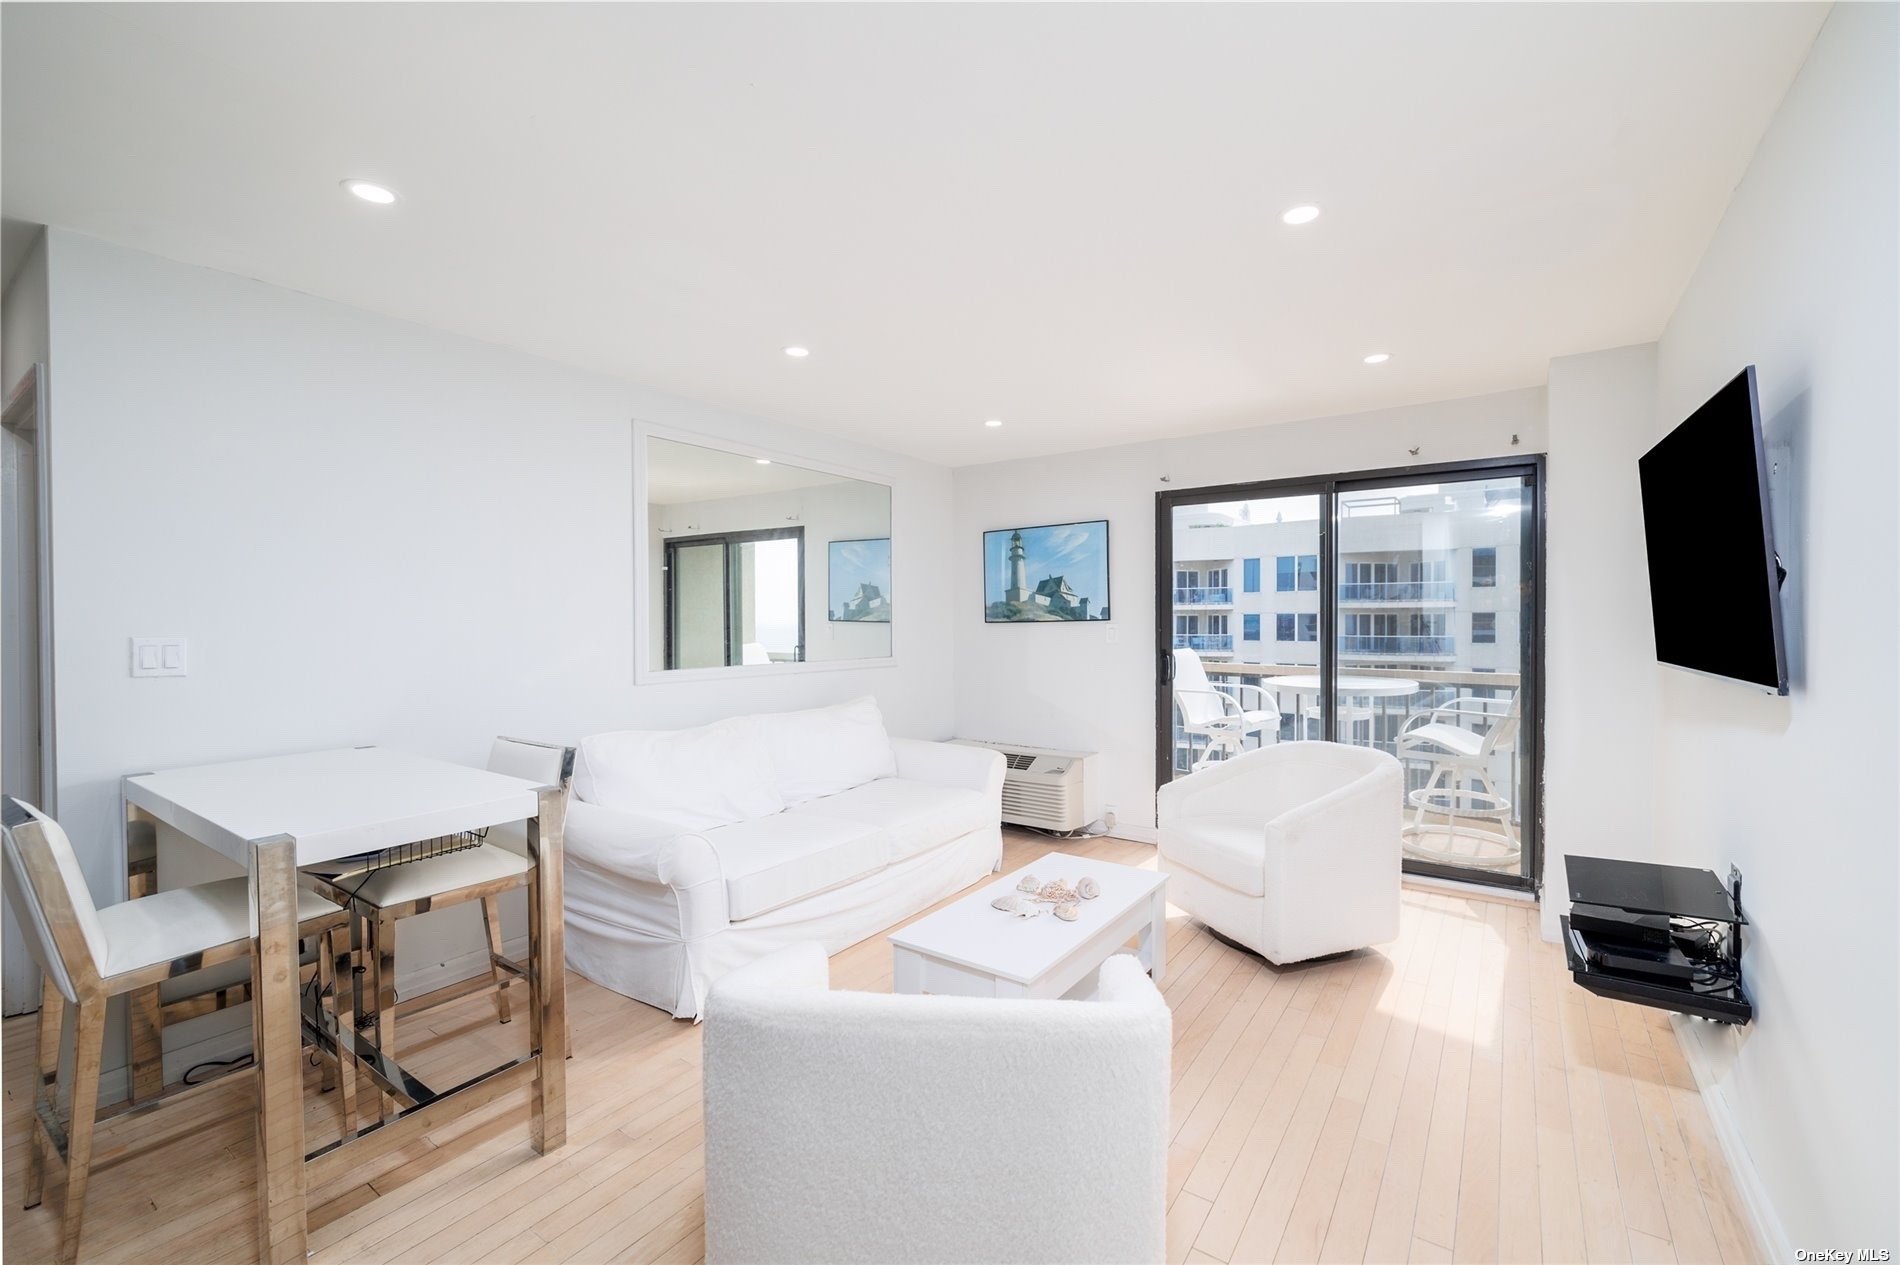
column 1714, row 578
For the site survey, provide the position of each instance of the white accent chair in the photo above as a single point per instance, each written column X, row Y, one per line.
column 845, row 1126
column 1219, row 714
column 1292, row 851
column 1458, row 754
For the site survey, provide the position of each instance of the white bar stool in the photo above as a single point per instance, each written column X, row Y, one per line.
column 382, row 897
column 91, row 955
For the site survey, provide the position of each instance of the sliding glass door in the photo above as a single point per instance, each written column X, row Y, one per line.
column 1398, row 610
column 735, row 598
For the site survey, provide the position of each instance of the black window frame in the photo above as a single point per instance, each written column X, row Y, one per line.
column 1532, row 584
column 733, row 541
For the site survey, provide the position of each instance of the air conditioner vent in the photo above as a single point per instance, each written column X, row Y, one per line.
column 1045, row 788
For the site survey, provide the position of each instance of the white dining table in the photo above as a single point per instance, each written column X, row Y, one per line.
column 275, row 815
column 1349, row 686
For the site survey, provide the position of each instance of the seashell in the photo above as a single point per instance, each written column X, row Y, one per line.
column 1068, row 911
column 1087, row 888
column 1028, row 883
column 1008, row 904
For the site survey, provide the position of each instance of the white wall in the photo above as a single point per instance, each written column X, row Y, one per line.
column 1601, row 678
column 372, row 532
column 1092, row 686
column 1800, row 791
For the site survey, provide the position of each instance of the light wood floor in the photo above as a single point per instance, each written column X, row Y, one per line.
column 1450, row 1096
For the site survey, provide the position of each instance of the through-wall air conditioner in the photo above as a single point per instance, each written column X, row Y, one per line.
column 1046, row 788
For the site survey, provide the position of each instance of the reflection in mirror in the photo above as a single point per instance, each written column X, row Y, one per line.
column 754, row 562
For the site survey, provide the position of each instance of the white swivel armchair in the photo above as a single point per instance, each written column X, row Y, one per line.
column 1292, row 850
column 844, row 1126
column 1220, row 714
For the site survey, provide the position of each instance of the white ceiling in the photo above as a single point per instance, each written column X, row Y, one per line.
column 680, row 474
column 1066, row 216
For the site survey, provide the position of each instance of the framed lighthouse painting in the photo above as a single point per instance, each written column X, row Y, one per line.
column 1046, row 575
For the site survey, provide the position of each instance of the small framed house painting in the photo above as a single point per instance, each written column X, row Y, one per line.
column 859, row 584
column 1040, row 575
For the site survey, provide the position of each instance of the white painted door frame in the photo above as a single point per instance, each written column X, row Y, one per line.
column 27, row 749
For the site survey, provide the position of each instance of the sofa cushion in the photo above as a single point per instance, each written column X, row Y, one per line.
column 773, row 861
column 1230, row 850
column 910, row 817
column 826, row 749
column 694, row 779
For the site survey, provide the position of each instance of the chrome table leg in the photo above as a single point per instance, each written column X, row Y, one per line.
column 277, row 1040
column 547, row 981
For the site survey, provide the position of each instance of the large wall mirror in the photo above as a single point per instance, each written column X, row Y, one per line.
column 754, row 562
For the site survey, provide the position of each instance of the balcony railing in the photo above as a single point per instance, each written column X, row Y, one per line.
column 1433, row 646
column 1203, row 641
column 1375, row 720
column 1210, row 596
column 1400, row 591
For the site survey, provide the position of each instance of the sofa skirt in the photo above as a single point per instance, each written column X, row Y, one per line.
column 639, row 939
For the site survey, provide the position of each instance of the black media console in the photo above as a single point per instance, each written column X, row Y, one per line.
column 1658, row 935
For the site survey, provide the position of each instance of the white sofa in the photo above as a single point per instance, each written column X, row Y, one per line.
column 691, row 852
column 1292, row 850
column 845, row 1126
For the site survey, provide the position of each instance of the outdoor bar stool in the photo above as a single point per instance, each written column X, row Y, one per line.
column 467, row 869
column 91, row 955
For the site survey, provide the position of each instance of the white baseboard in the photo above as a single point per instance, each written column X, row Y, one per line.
column 1132, row 834
column 1482, row 891
column 1771, row 1240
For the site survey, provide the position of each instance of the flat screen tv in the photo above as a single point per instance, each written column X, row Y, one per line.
column 1714, row 578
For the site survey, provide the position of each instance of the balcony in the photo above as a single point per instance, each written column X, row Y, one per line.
column 1204, row 641
column 1222, row 596
column 1421, row 647
column 1408, row 591
column 1370, row 715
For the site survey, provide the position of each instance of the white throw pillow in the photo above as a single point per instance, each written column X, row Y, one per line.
column 715, row 775
column 827, row 749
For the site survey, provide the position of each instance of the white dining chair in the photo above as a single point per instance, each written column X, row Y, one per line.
column 1219, row 714
column 1457, row 753
column 378, row 899
column 90, row 955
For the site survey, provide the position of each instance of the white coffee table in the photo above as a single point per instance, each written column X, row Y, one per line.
column 971, row 950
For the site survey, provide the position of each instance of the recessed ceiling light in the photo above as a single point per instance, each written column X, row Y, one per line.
column 994, row 422
column 798, row 353
column 370, row 192
column 1378, row 357
column 1300, row 215
column 763, row 461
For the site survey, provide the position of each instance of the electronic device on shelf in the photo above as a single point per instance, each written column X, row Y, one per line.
column 1658, row 935
column 1620, row 924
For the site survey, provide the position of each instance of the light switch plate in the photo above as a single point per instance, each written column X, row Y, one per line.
column 158, row 656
